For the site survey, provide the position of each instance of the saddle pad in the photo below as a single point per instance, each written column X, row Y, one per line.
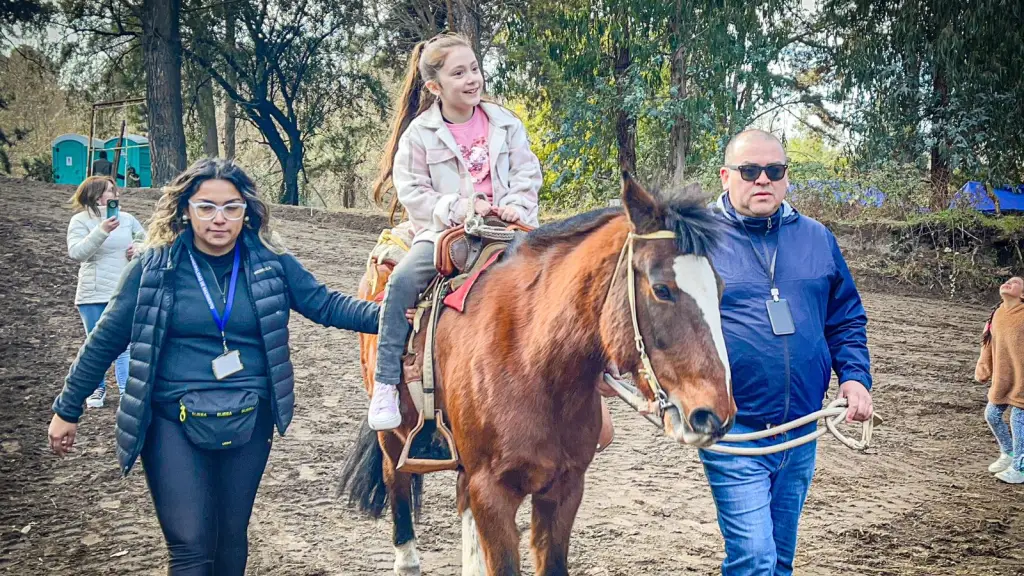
column 457, row 299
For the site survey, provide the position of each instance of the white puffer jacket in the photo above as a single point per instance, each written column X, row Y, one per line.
column 103, row 256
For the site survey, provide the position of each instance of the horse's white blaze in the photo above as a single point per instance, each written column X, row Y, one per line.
column 472, row 553
column 407, row 561
column 695, row 277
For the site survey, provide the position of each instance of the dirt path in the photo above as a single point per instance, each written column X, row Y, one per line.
column 920, row 504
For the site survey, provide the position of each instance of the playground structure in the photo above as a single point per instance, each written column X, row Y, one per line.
column 74, row 154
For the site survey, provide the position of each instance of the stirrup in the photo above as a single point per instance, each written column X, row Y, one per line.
column 424, row 465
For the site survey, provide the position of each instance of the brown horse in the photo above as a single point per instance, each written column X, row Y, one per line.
column 519, row 373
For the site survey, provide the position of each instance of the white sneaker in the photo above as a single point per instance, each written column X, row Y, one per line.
column 97, row 398
column 1002, row 464
column 1011, row 476
column 384, row 412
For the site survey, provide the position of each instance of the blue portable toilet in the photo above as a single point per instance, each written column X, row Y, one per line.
column 70, row 165
column 134, row 153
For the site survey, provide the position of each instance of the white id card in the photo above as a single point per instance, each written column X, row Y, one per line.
column 227, row 364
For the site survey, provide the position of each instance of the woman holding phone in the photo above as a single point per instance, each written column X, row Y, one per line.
column 102, row 239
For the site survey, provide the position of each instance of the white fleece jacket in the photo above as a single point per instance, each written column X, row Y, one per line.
column 432, row 180
column 102, row 256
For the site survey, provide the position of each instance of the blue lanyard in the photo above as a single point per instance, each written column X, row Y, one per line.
column 768, row 269
column 222, row 321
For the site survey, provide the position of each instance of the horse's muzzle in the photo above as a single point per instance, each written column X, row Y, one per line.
column 703, row 428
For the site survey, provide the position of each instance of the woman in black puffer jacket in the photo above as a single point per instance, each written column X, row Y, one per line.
column 205, row 311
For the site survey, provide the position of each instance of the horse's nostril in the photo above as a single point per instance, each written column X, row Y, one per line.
column 704, row 421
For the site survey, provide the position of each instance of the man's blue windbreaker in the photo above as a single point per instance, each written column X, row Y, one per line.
column 780, row 378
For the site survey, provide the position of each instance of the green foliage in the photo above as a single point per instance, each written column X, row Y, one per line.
column 15, row 16
column 927, row 82
column 688, row 75
column 20, row 16
column 297, row 65
column 34, row 108
column 39, row 168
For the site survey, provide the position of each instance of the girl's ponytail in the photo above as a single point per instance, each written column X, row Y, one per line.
column 986, row 335
column 413, row 99
column 425, row 62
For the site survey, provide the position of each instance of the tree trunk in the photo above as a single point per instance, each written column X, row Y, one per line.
column 290, row 170
column 465, row 19
column 941, row 175
column 910, row 144
column 206, row 109
column 229, row 105
column 161, row 55
column 625, row 125
column 348, row 196
column 681, row 128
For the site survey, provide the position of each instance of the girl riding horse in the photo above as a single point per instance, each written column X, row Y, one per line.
column 450, row 155
column 518, row 374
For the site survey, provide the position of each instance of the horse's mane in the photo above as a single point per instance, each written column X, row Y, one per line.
column 697, row 230
column 694, row 224
column 566, row 230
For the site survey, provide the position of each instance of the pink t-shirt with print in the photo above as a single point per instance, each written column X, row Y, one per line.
column 471, row 138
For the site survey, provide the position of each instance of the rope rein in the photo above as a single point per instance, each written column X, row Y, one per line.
column 475, row 226
column 834, row 414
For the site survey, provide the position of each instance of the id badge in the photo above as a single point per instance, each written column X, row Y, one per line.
column 227, row 364
column 780, row 317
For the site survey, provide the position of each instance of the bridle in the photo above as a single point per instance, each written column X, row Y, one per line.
column 661, row 402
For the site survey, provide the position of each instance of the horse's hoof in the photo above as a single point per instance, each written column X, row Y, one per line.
column 407, row 561
column 407, row 568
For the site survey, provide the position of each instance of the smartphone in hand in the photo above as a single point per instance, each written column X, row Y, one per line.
column 113, row 208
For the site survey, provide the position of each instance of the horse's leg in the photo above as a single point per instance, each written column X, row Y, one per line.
column 404, row 493
column 553, row 515
column 491, row 516
column 472, row 553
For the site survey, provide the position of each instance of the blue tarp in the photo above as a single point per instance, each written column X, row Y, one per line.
column 973, row 195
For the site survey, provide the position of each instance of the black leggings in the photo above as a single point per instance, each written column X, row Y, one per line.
column 203, row 498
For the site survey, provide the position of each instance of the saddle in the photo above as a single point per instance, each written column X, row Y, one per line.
column 461, row 255
column 457, row 252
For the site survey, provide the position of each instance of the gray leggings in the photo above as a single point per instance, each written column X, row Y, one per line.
column 411, row 276
column 1010, row 438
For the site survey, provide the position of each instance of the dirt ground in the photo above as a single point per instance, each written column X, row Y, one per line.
column 920, row 503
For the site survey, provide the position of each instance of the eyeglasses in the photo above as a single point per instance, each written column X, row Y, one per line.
column 751, row 172
column 209, row 210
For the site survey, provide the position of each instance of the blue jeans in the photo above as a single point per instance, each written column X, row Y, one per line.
column 759, row 500
column 1010, row 438
column 90, row 316
column 412, row 276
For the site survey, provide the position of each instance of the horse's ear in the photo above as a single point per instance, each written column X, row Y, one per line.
column 641, row 207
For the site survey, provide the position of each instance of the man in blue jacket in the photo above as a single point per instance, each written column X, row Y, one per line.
column 791, row 315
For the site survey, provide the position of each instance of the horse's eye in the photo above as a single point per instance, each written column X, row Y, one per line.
column 662, row 292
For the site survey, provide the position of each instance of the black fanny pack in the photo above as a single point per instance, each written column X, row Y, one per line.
column 218, row 419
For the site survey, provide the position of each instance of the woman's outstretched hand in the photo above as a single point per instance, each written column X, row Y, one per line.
column 62, row 435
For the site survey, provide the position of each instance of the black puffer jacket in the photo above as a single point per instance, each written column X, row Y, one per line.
column 137, row 315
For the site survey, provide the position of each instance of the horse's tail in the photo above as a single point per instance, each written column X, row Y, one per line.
column 362, row 477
